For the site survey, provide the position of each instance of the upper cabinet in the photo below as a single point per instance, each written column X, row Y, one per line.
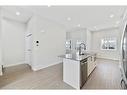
column 79, row 35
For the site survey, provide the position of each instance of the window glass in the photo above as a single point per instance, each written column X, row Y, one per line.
column 108, row 43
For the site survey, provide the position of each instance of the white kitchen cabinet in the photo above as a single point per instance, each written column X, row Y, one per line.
column 71, row 72
column 91, row 64
column 79, row 34
column 76, row 71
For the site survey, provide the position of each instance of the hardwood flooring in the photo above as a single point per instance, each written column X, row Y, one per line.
column 105, row 76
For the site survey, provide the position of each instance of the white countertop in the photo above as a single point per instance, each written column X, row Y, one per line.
column 77, row 57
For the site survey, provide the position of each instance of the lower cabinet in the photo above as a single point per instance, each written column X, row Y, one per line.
column 91, row 64
column 75, row 73
column 86, row 68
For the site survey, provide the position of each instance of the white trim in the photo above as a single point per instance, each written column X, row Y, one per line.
column 1, row 72
column 42, row 67
column 9, row 65
column 114, row 59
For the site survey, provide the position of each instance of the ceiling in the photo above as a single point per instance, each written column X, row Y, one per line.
column 69, row 16
column 16, row 14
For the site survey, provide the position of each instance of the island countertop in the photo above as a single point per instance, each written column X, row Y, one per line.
column 77, row 57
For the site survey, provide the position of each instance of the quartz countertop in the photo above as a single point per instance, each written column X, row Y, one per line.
column 77, row 57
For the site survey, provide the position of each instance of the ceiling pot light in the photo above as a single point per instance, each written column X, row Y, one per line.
column 78, row 25
column 17, row 13
column 42, row 31
column 95, row 27
column 69, row 18
column 111, row 16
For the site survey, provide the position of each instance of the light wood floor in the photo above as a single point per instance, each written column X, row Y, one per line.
column 105, row 76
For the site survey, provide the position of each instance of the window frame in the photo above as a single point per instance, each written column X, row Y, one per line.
column 109, row 39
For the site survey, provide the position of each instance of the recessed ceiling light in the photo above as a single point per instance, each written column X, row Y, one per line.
column 69, row 18
column 17, row 13
column 95, row 27
column 111, row 16
column 42, row 31
column 78, row 25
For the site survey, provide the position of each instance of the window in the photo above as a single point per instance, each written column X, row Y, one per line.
column 108, row 43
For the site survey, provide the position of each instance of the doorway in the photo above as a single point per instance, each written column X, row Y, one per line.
column 28, row 49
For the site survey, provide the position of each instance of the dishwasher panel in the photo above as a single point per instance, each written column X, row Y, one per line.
column 83, row 72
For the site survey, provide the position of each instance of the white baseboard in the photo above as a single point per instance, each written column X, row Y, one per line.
column 9, row 65
column 42, row 67
column 108, row 58
column 1, row 72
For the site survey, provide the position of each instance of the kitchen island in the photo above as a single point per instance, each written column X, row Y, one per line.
column 77, row 68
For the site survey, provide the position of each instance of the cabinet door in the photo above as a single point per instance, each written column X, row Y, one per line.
column 89, row 67
column 94, row 62
column 88, row 70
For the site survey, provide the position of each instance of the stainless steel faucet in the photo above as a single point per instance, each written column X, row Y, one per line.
column 82, row 46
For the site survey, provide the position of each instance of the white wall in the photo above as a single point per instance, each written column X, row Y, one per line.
column 96, row 43
column 1, row 63
column 51, row 42
column 13, row 42
column 89, row 41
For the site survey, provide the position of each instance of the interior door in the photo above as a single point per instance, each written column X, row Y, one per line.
column 28, row 49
